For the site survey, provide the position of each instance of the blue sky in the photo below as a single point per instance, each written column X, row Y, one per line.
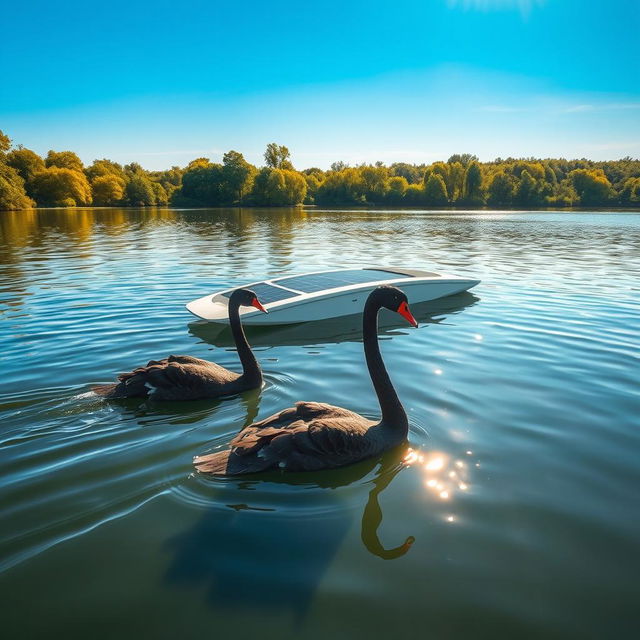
column 164, row 82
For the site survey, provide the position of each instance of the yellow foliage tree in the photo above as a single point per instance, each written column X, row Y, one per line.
column 64, row 160
column 61, row 187
column 107, row 189
column 592, row 186
column 398, row 186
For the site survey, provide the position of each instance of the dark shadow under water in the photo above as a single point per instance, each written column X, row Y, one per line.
column 265, row 557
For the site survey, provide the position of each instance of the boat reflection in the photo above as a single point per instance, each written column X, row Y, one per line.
column 344, row 329
column 269, row 549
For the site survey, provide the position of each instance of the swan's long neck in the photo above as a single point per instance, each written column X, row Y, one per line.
column 250, row 367
column 393, row 413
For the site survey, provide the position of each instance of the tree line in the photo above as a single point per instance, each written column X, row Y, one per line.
column 61, row 179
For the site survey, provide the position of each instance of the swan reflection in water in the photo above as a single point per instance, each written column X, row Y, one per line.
column 242, row 408
column 332, row 331
column 269, row 539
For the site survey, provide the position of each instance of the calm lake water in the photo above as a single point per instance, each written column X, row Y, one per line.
column 522, row 395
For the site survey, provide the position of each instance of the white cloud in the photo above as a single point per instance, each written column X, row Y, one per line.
column 579, row 107
column 550, row 106
column 524, row 6
column 611, row 106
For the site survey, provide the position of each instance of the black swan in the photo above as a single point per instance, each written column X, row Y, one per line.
column 189, row 378
column 313, row 436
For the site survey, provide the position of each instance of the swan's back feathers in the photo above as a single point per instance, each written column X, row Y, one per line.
column 308, row 437
column 190, row 360
column 174, row 378
column 305, row 411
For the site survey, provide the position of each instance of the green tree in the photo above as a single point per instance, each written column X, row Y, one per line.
column 139, row 191
column 171, row 180
column 171, row 176
column 414, row 196
column 563, row 195
column 630, row 192
column 465, row 159
column 202, row 184
column 277, row 156
column 398, row 186
column 443, row 170
column 268, row 187
column 105, row 167
column 159, row 194
column 107, row 189
column 296, row 187
column 314, row 180
column 198, row 162
column 435, row 191
column 12, row 193
column 374, row 179
column 528, row 191
column 64, row 160
column 592, row 186
column 238, row 175
column 5, row 142
column 279, row 187
column 27, row 164
column 456, row 181
column 342, row 187
column 501, row 190
column 473, row 183
column 408, row 171
column 60, row 187
column 550, row 176
column 535, row 169
column 134, row 168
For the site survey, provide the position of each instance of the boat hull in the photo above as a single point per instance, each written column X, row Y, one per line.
column 308, row 308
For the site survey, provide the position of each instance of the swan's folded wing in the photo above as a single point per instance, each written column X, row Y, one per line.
column 253, row 439
column 309, row 411
column 282, row 418
column 180, row 381
column 163, row 363
column 305, row 411
column 301, row 446
column 191, row 360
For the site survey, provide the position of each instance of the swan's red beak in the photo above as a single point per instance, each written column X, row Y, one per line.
column 258, row 305
column 403, row 310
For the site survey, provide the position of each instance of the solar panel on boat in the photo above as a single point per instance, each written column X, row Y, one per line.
column 266, row 293
column 310, row 283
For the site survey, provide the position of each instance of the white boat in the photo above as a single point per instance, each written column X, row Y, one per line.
column 320, row 295
column 332, row 330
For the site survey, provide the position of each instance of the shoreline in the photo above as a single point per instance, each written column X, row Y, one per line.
column 313, row 207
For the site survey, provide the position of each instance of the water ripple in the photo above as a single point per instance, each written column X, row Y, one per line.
column 522, row 400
